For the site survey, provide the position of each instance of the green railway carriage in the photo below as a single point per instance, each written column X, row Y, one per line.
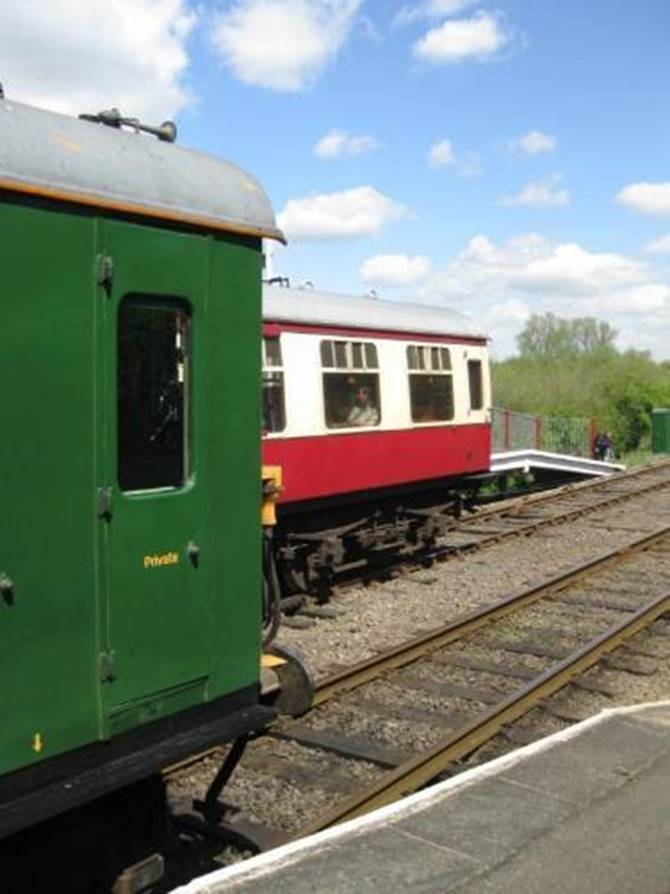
column 129, row 457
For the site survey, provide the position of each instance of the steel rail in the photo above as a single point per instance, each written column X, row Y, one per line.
column 540, row 523
column 407, row 562
column 567, row 490
column 418, row 771
column 372, row 668
column 369, row 669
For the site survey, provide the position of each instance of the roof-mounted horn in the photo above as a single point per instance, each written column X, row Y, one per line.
column 167, row 132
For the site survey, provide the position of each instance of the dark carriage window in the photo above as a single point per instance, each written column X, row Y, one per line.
column 350, row 389
column 274, row 414
column 475, row 382
column 153, row 387
column 431, row 388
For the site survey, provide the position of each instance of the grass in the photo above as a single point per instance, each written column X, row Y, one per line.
column 641, row 456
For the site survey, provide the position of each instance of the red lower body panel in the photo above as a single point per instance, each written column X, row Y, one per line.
column 327, row 465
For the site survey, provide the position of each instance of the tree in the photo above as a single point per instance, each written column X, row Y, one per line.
column 548, row 337
column 572, row 368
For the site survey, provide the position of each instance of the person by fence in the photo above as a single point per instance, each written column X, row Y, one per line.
column 603, row 447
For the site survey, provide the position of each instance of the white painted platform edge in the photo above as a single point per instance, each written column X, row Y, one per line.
column 527, row 459
column 266, row 863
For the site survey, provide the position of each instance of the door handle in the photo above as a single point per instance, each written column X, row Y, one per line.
column 7, row 589
column 193, row 552
column 105, row 503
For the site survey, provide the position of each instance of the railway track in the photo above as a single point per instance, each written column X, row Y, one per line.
column 488, row 681
column 517, row 518
column 567, row 503
column 389, row 725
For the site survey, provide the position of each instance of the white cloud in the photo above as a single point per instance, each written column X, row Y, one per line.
column 430, row 9
column 647, row 198
column 395, row 270
column 510, row 311
column 79, row 56
column 439, row 8
column 501, row 284
column 441, row 154
column 660, row 246
column 653, row 338
column 337, row 143
column 470, row 164
column 545, row 193
column 643, row 299
column 457, row 39
column 283, row 45
column 572, row 270
column 532, row 263
column 535, row 142
column 362, row 211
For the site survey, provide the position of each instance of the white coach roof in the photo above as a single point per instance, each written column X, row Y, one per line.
column 311, row 307
column 86, row 162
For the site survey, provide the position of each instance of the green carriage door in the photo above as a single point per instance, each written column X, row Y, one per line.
column 153, row 525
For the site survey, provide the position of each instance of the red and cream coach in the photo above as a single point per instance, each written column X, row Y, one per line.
column 378, row 414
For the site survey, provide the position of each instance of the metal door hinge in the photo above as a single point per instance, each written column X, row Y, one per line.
column 105, row 503
column 107, row 669
column 105, row 272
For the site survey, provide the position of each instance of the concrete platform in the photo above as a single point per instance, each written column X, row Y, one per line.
column 586, row 810
column 544, row 461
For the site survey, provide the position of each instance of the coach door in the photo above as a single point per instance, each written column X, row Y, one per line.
column 151, row 499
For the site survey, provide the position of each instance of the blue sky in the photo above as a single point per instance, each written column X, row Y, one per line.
column 502, row 158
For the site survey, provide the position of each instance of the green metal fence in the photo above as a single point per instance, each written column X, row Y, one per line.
column 557, row 434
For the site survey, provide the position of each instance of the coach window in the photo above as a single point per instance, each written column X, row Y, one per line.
column 152, row 394
column 475, row 382
column 274, row 413
column 431, row 386
column 350, row 384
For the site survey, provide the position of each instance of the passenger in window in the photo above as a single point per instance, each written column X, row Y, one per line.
column 363, row 412
column 423, row 413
